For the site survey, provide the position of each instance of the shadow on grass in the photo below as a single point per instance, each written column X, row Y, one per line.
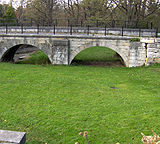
column 98, row 56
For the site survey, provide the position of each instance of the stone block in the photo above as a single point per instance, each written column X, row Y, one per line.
column 135, row 45
column 132, row 61
column 157, row 39
column 149, row 60
column 157, row 60
column 152, row 45
column 142, row 56
column 147, row 40
column 125, row 44
column 136, row 64
column 132, row 54
column 12, row 137
column 132, row 65
column 60, row 42
column 152, row 50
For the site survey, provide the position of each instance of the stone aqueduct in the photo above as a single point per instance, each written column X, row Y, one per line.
column 62, row 49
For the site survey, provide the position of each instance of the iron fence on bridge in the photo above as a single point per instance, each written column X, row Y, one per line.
column 71, row 26
column 77, row 30
column 77, row 23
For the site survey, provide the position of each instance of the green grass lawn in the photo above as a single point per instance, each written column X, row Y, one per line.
column 97, row 54
column 52, row 104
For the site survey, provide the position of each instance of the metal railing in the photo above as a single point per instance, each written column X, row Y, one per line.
column 77, row 23
column 70, row 30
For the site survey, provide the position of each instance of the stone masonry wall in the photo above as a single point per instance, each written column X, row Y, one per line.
column 152, row 50
column 60, row 52
column 137, row 54
column 121, row 46
column 63, row 49
column 55, row 49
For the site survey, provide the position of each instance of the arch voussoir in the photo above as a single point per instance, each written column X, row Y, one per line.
column 112, row 44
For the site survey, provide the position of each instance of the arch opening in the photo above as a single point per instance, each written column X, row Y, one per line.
column 8, row 56
column 25, row 54
column 98, row 56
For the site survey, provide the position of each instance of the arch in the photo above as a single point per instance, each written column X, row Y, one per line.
column 100, row 54
column 10, row 49
column 9, row 54
column 103, row 44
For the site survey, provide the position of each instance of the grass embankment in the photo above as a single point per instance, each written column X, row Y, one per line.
column 97, row 54
column 38, row 58
column 52, row 104
column 90, row 55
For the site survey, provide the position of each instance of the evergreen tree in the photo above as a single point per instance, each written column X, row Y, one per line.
column 10, row 16
column 10, row 13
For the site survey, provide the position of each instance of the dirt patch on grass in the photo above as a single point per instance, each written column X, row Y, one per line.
column 99, row 63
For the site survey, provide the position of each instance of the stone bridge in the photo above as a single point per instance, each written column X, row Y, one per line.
column 61, row 49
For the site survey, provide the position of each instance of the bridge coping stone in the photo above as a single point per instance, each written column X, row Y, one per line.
column 148, row 40
column 9, row 137
column 111, row 37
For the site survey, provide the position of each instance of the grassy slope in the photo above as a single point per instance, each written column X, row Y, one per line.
column 54, row 103
column 97, row 54
column 38, row 57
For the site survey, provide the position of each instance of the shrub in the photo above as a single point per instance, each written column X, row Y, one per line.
column 38, row 57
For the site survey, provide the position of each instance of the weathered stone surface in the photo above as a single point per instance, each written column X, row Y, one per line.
column 60, row 52
column 158, row 40
column 147, row 40
column 12, row 137
column 62, row 49
column 157, row 60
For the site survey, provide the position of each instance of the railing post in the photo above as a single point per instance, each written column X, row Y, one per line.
column 6, row 29
column 122, row 31
column 156, row 32
column 88, row 30
column 105, row 31
column 97, row 23
column 71, row 30
column 54, row 29
column 38, row 29
column 22, row 29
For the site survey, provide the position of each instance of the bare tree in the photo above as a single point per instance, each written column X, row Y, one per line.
column 137, row 9
column 72, row 9
column 98, row 9
column 46, row 9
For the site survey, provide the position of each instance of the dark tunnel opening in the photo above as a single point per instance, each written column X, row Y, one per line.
column 9, row 54
column 17, row 52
